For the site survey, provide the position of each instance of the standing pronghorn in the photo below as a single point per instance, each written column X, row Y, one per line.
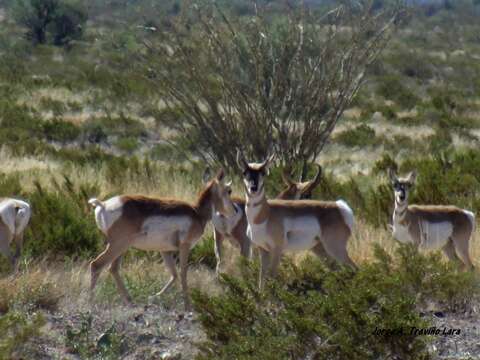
column 164, row 225
column 431, row 227
column 275, row 226
column 14, row 218
column 235, row 227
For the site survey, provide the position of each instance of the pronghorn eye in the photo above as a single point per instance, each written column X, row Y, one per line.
column 229, row 191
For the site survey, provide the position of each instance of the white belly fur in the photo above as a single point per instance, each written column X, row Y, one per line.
column 401, row 234
column 432, row 235
column 259, row 236
column 224, row 224
column 435, row 235
column 302, row 232
column 162, row 233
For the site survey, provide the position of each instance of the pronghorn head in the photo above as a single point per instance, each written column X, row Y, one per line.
column 253, row 174
column 220, row 192
column 402, row 186
column 299, row 190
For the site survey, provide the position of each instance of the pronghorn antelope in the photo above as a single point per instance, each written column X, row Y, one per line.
column 431, row 227
column 14, row 218
column 275, row 226
column 165, row 225
column 235, row 227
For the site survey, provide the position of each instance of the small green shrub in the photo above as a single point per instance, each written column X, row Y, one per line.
column 362, row 135
column 17, row 329
column 81, row 341
column 204, row 253
column 127, row 144
column 61, row 131
column 392, row 88
column 61, row 223
column 387, row 293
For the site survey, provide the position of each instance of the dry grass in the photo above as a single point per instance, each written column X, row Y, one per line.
column 14, row 164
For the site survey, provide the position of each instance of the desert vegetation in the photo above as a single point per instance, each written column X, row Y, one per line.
column 94, row 102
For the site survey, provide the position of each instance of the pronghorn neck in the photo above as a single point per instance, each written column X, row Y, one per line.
column 204, row 205
column 257, row 207
column 400, row 211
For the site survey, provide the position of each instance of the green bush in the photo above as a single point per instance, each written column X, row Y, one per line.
column 278, row 324
column 392, row 88
column 62, row 223
column 60, row 20
column 16, row 329
column 204, row 253
column 127, row 144
column 362, row 135
column 81, row 341
column 61, row 131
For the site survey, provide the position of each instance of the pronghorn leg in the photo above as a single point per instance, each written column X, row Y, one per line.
column 335, row 244
column 245, row 246
column 449, row 251
column 114, row 270
column 319, row 250
column 218, row 237
column 111, row 252
column 183, row 253
column 264, row 266
column 275, row 256
column 5, row 240
column 461, row 244
column 169, row 261
column 18, row 250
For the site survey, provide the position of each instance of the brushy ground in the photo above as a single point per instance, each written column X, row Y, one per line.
column 47, row 312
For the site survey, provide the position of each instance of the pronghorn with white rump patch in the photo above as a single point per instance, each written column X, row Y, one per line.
column 164, row 225
column 14, row 217
column 276, row 226
column 431, row 227
column 235, row 227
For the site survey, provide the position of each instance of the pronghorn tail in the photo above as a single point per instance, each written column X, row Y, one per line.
column 95, row 202
column 471, row 217
column 347, row 213
column 22, row 216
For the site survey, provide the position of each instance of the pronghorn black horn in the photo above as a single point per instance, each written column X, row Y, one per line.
column 286, row 172
column 241, row 162
column 312, row 184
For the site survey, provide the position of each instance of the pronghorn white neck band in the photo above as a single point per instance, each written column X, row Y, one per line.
column 251, row 199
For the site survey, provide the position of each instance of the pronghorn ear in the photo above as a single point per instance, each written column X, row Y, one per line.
column 207, row 175
column 266, row 164
column 241, row 162
column 392, row 175
column 220, row 175
column 412, row 177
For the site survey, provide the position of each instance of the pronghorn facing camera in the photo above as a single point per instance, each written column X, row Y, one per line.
column 276, row 226
column 235, row 227
column 164, row 225
column 14, row 217
column 431, row 227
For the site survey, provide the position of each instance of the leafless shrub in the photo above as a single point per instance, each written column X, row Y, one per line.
column 265, row 82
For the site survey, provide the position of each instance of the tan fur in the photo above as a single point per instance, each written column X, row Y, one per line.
column 270, row 223
column 238, row 235
column 128, row 229
column 418, row 220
